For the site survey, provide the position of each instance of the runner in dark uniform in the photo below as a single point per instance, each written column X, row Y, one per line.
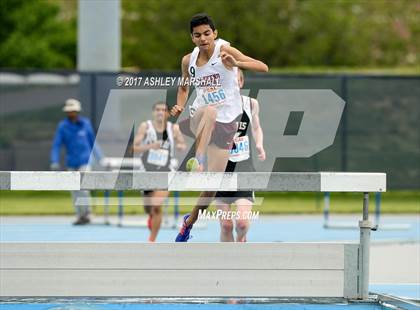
column 241, row 160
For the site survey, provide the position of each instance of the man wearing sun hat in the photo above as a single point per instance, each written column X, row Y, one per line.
column 76, row 134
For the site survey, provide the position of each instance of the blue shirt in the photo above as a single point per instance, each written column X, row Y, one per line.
column 78, row 138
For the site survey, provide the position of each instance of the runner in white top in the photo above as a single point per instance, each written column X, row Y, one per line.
column 241, row 160
column 213, row 65
column 216, row 85
column 156, row 141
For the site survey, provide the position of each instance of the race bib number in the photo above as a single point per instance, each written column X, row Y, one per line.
column 241, row 150
column 214, row 96
column 158, row 157
column 207, row 96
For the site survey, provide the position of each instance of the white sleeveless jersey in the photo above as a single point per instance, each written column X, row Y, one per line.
column 215, row 85
column 246, row 106
column 151, row 136
column 243, row 137
column 162, row 157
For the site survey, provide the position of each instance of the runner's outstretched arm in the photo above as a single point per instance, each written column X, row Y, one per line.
column 183, row 89
column 232, row 57
column 257, row 131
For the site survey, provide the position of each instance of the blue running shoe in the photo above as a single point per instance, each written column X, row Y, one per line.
column 184, row 233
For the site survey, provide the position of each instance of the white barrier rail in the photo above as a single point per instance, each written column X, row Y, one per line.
column 184, row 181
column 179, row 269
column 184, row 270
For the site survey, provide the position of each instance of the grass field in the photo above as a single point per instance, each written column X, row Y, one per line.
column 59, row 203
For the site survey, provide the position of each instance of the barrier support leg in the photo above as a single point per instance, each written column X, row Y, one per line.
column 377, row 208
column 120, row 207
column 106, row 207
column 176, row 208
column 365, row 228
column 326, row 209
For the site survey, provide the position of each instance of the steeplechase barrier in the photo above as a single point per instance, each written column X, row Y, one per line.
column 191, row 269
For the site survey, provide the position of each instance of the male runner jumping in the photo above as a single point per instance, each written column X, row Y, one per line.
column 213, row 65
